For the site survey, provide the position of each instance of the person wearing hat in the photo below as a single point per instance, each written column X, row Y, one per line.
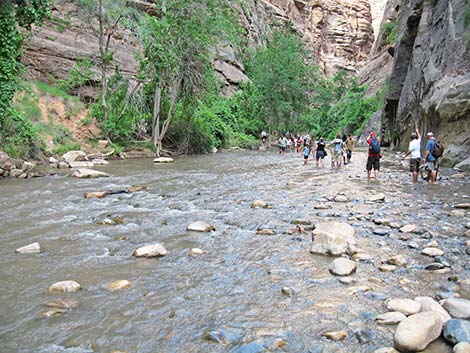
column 430, row 161
column 414, row 149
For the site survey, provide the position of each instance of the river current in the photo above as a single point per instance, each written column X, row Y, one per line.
column 234, row 288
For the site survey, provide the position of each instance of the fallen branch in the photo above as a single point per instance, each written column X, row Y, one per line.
column 101, row 194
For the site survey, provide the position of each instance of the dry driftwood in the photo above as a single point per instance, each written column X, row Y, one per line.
column 101, row 194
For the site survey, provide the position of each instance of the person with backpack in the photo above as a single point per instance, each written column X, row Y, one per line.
column 373, row 158
column 337, row 152
column 434, row 150
column 415, row 158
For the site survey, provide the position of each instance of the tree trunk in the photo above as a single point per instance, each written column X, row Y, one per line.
column 104, row 80
column 156, row 118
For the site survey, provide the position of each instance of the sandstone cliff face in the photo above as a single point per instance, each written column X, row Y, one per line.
column 430, row 78
column 337, row 34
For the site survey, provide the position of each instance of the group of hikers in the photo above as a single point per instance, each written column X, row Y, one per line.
column 341, row 149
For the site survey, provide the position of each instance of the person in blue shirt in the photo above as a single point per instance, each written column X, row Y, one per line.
column 306, row 153
column 430, row 161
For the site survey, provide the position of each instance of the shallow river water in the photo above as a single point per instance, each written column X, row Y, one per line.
column 235, row 287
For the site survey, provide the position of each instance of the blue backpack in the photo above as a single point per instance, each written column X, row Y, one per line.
column 374, row 147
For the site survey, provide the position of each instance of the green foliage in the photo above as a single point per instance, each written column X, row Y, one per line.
column 16, row 132
column 282, row 79
column 390, row 32
column 61, row 149
column 122, row 125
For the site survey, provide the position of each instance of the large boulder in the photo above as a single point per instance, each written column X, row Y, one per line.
column 429, row 304
column 457, row 330
column 73, row 156
column 457, row 307
column 333, row 238
column 88, row 173
column 417, row 331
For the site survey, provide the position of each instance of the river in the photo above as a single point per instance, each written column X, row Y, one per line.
column 235, row 287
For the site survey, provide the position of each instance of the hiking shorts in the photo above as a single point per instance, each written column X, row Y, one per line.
column 337, row 155
column 373, row 162
column 320, row 155
column 414, row 164
column 430, row 166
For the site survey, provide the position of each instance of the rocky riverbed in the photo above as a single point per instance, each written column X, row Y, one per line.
column 224, row 259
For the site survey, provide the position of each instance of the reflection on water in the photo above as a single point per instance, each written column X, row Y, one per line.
column 235, row 287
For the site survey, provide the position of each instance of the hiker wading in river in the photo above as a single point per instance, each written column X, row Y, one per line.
column 373, row 159
column 414, row 149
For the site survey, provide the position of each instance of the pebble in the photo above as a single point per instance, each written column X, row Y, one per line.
column 341, row 198
column 259, row 204
column 432, row 252
column 217, row 336
column 432, row 244
column 405, row 306
column 196, row 252
column 462, row 347
column 398, row 260
column 408, row 228
column 301, row 222
column 342, row 267
column 65, row 287
column 382, row 221
column 386, row 350
column 148, row 251
column 390, row 318
column 417, row 331
column 52, row 313
column 288, row 291
column 388, row 268
column 377, row 198
column 335, row 335
column 457, row 330
column 266, row 231
column 457, row 307
column 118, row 285
column 413, row 245
column 347, row 280
column 200, row 226
column 434, row 266
column 64, row 304
column 381, row 232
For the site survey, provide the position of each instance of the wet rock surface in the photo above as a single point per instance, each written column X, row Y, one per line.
column 235, row 288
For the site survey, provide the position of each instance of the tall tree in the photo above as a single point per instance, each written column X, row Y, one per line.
column 177, row 54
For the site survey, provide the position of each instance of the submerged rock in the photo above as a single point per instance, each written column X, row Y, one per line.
column 342, row 267
column 196, row 252
column 33, row 248
column 65, row 286
column 88, row 173
column 118, row 285
column 52, row 313
column 333, row 238
column 417, row 331
column 335, row 335
column 153, row 250
column 288, row 291
column 163, row 160
column 259, row 204
column 266, row 231
column 64, row 304
column 217, row 336
column 200, row 226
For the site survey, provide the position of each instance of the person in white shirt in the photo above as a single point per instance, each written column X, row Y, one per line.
column 414, row 149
